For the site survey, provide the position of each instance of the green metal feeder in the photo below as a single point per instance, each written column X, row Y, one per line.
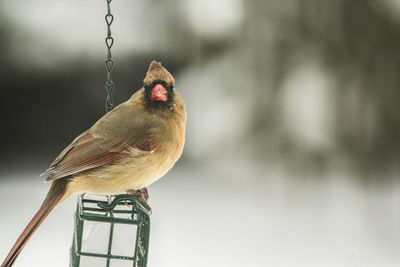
column 113, row 230
column 103, row 227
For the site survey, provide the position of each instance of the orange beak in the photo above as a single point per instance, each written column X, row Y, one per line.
column 159, row 93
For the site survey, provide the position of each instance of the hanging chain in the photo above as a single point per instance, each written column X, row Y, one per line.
column 109, row 64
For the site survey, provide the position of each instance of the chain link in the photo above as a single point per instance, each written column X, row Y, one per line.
column 109, row 63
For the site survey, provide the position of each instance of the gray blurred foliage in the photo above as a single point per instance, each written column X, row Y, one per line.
column 308, row 84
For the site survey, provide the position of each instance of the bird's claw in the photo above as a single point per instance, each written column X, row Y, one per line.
column 142, row 195
column 145, row 193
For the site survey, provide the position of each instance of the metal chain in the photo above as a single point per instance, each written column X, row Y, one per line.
column 109, row 64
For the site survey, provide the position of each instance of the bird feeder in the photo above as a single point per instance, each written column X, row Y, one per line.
column 110, row 231
column 113, row 230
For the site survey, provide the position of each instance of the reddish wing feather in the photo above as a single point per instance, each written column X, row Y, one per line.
column 65, row 151
column 83, row 153
column 147, row 144
column 88, row 151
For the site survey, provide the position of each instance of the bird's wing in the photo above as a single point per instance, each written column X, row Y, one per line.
column 109, row 140
column 88, row 151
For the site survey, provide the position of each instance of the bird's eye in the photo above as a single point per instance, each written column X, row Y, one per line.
column 170, row 87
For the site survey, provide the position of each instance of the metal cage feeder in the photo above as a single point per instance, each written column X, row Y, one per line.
column 105, row 233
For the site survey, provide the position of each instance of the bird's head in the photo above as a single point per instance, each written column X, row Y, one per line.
column 159, row 87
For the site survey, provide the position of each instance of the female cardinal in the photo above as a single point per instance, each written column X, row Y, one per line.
column 124, row 151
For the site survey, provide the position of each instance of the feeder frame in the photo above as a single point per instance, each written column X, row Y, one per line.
column 113, row 211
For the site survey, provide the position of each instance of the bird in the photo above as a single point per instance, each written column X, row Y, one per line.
column 126, row 150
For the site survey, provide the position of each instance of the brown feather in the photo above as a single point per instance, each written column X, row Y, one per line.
column 108, row 141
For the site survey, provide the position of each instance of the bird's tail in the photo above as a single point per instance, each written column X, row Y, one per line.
column 54, row 196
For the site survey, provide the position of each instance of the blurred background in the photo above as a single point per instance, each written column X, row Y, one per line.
column 292, row 152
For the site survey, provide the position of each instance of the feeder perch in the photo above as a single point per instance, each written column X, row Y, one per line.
column 110, row 231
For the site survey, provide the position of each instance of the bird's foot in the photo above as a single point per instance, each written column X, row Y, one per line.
column 145, row 193
column 142, row 195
